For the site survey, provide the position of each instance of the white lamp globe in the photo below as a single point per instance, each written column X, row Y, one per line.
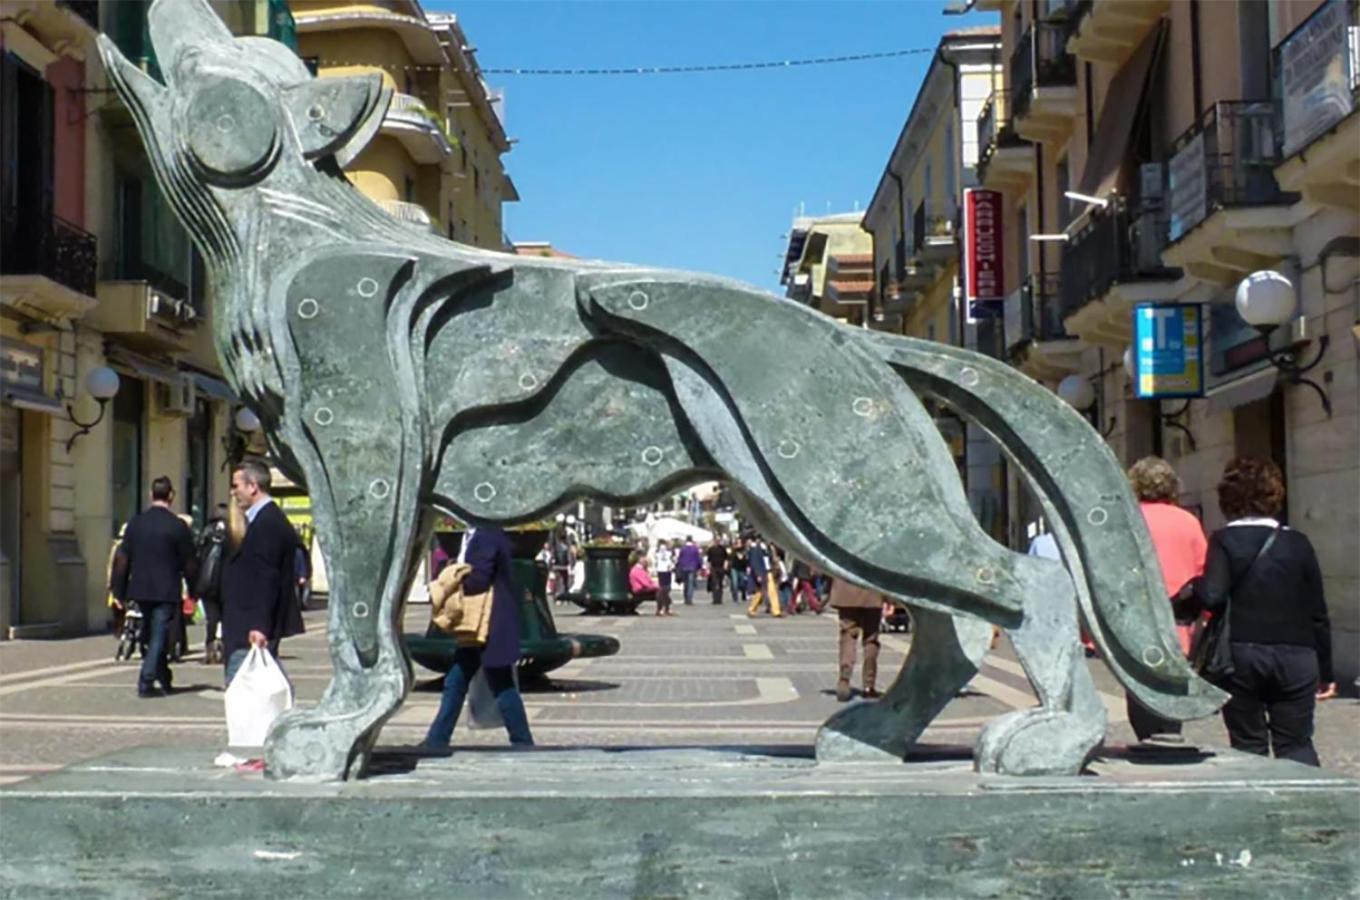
column 1077, row 392
column 1266, row 300
column 101, row 383
column 1128, row 362
column 561, row 517
column 246, row 420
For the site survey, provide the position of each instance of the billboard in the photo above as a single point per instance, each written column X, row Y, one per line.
column 1168, row 356
column 984, row 274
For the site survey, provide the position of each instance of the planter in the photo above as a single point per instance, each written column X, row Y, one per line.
column 607, row 581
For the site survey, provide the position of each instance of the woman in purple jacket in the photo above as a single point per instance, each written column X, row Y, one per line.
column 488, row 553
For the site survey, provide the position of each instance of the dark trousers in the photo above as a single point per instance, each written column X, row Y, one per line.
column 1146, row 723
column 663, row 595
column 1274, row 690
column 716, row 579
column 466, row 662
column 860, row 625
column 158, row 619
column 212, row 612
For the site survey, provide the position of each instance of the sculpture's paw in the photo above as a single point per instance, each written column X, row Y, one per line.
column 1038, row 742
column 864, row 731
column 307, row 744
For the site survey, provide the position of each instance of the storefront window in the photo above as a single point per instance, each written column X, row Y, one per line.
column 196, row 478
column 128, row 439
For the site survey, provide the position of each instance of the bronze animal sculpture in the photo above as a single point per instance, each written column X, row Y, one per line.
column 398, row 374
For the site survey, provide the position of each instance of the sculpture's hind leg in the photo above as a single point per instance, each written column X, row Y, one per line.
column 945, row 654
column 1056, row 737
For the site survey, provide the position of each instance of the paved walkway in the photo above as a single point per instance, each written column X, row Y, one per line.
column 708, row 676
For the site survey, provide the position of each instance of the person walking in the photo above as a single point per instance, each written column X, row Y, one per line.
column 208, row 586
column 487, row 551
column 259, row 596
column 1265, row 578
column 861, row 618
column 736, row 571
column 717, row 571
column 664, row 561
column 804, row 592
column 152, row 565
column 687, row 566
column 1178, row 539
column 760, row 583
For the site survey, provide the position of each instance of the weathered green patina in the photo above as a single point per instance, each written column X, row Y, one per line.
column 398, row 374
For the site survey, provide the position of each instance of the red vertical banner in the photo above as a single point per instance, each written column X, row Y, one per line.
column 984, row 275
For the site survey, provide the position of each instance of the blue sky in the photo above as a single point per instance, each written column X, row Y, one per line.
column 696, row 171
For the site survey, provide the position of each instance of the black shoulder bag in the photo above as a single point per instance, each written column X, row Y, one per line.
column 1211, row 652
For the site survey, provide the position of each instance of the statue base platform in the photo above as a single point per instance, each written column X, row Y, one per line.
column 716, row 822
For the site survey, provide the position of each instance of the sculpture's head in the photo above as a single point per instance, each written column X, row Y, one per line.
column 233, row 110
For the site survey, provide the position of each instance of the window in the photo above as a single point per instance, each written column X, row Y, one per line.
column 950, row 176
column 1022, row 234
column 410, row 189
column 476, row 182
column 1064, row 204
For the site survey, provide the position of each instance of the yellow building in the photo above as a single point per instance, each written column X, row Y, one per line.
column 436, row 162
column 97, row 273
column 1159, row 151
column 827, row 266
column 914, row 222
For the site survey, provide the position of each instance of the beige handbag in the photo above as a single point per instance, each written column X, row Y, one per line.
column 466, row 617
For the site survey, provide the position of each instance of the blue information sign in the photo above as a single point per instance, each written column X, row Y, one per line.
column 1168, row 354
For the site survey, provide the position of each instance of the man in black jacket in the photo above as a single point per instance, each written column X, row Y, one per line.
column 259, row 603
column 150, row 568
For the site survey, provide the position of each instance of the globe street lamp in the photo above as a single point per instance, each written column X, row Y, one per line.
column 1265, row 301
column 101, row 383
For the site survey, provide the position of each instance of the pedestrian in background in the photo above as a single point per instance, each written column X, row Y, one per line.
column 1265, row 578
column 152, row 565
column 487, row 551
column 717, row 570
column 736, row 571
column 759, row 583
column 212, row 548
column 259, row 596
column 1179, row 541
column 664, row 562
column 860, row 611
column 687, row 566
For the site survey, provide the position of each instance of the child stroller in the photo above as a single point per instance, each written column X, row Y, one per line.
column 132, row 634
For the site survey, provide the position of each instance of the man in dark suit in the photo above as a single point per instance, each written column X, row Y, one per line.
column 150, row 568
column 259, row 602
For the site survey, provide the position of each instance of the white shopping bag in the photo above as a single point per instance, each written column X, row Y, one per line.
column 258, row 695
column 482, row 709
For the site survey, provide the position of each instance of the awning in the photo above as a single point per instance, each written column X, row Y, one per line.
column 27, row 398
column 1124, row 102
column 135, row 364
column 1241, row 391
column 215, row 388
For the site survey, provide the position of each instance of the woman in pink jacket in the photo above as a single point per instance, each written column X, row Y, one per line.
column 642, row 585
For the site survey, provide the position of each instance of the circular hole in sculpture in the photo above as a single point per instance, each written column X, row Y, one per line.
column 1098, row 516
column 361, row 610
column 308, row 308
column 323, row 416
column 380, row 488
column 366, row 287
column 788, row 448
column 484, row 492
column 638, row 301
column 652, row 456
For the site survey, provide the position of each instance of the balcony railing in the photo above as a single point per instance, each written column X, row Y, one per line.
column 57, row 250
column 1041, row 60
column 1225, row 160
column 1317, row 74
column 127, row 27
column 1116, row 246
column 172, row 285
column 933, row 225
column 996, row 129
column 1041, row 309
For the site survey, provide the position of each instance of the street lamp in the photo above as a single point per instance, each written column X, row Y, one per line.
column 1077, row 392
column 246, row 420
column 1265, row 301
column 101, row 383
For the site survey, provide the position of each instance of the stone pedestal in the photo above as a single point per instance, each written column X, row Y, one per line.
column 677, row 823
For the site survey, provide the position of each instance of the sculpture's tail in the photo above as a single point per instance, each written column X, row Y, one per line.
column 1092, row 511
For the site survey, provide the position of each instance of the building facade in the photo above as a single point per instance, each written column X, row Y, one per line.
column 827, row 266
column 1152, row 151
column 96, row 273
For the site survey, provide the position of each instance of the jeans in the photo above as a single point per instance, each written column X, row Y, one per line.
column 737, row 582
column 688, row 577
column 466, row 662
column 158, row 619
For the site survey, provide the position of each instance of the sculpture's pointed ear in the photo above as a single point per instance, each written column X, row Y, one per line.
column 337, row 116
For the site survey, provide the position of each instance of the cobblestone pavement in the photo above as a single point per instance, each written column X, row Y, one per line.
column 708, row 676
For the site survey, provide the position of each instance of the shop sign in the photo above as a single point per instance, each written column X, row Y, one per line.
column 983, row 258
column 21, row 366
column 1188, row 206
column 1317, row 68
column 1169, row 350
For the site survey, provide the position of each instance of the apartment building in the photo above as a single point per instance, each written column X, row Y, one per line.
column 97, row 279
column 914, row 222
column 828, row 265
column 1157, row 152
column 436, row 162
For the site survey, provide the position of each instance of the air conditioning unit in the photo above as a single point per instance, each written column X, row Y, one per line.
column 177, row 398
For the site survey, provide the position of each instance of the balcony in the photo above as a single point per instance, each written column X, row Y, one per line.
column 146, row 308
column 1111, row 263
column 1005, row 160
column 1036, row 340
column 1108, row 31
column 1317, row 112
column 1228, row 216
column 1043, row 81
column 933, row 231
column 419, row 131
column 420, row 40
column 49, row 269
